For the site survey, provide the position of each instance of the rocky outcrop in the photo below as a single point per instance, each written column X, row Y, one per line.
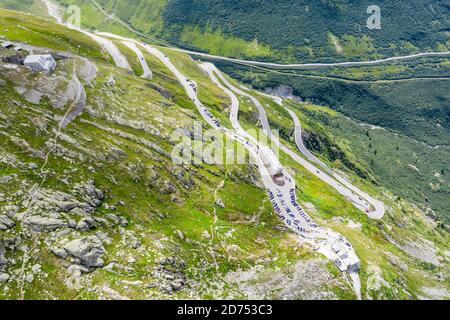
column 305, row 280
column 219, row 202
column 76, row 91
column 90, row 193
column 169, row 271
column 49, row 210
column 89, row 251
column 4, row 277
column 87, row 70
column 6, row 223
column 3, row 260
column 163, row 91
column 44, row 223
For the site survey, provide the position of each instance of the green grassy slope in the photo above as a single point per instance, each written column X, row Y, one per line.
column 412, row 116
column 322, row 202
column 121, row 141
column 302, row 29
column 288, row 31
column 170, row 209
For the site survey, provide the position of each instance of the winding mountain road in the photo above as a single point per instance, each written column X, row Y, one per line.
column 119, row 59
column 268, row 64
column 284, row 200
column 313, row 65
column 361, row 200
column 283, row 197
column 147, row 73
column 378, row 206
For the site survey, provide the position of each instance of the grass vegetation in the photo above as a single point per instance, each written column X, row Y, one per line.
column 27, row 28
column 243, row 234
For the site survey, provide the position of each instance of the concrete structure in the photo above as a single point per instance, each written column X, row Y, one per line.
column 39, row 63
column 272, row 164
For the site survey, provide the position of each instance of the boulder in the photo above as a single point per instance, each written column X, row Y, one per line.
column 90, row 193
column 104, row 237
column 116, row 219
column 4, row 277
column 44, row 223
column 59, row 252
column 88, row 249
column 3, row 260
column 76, row 270
column 87, row 223
column 180, row 234
column 219, row 202
column 66, row 205
column 5, row 223
column 177, row 284
column 111, row 81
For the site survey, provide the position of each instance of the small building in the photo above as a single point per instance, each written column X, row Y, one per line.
column 271, row 162
column 38, row 63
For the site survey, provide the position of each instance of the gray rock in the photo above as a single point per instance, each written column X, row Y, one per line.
column 117, row 220
column 5, row 222
column 163, row 91
column 29, row 278
column 85, row 224
column 36, row 268
column 62, row 233
column 61, row 253
column 169, row 276
column 77, row 270
column 179, row 234
column 166, row 187
column 88, row 190
column 3, row 260
column 167, row 288
column 4, row 277
column 177, row 285
column 111, row 81
column 66, row 205
column 72, row 223
column 44, row 223
column 219, row 202
column 136, row 244
column 33, row 166
column 103, row 237
column 88, row 249
column 113, row 218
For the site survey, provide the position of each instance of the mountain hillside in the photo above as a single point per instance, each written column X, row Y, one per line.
column 289, row 31
column 93, row 206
